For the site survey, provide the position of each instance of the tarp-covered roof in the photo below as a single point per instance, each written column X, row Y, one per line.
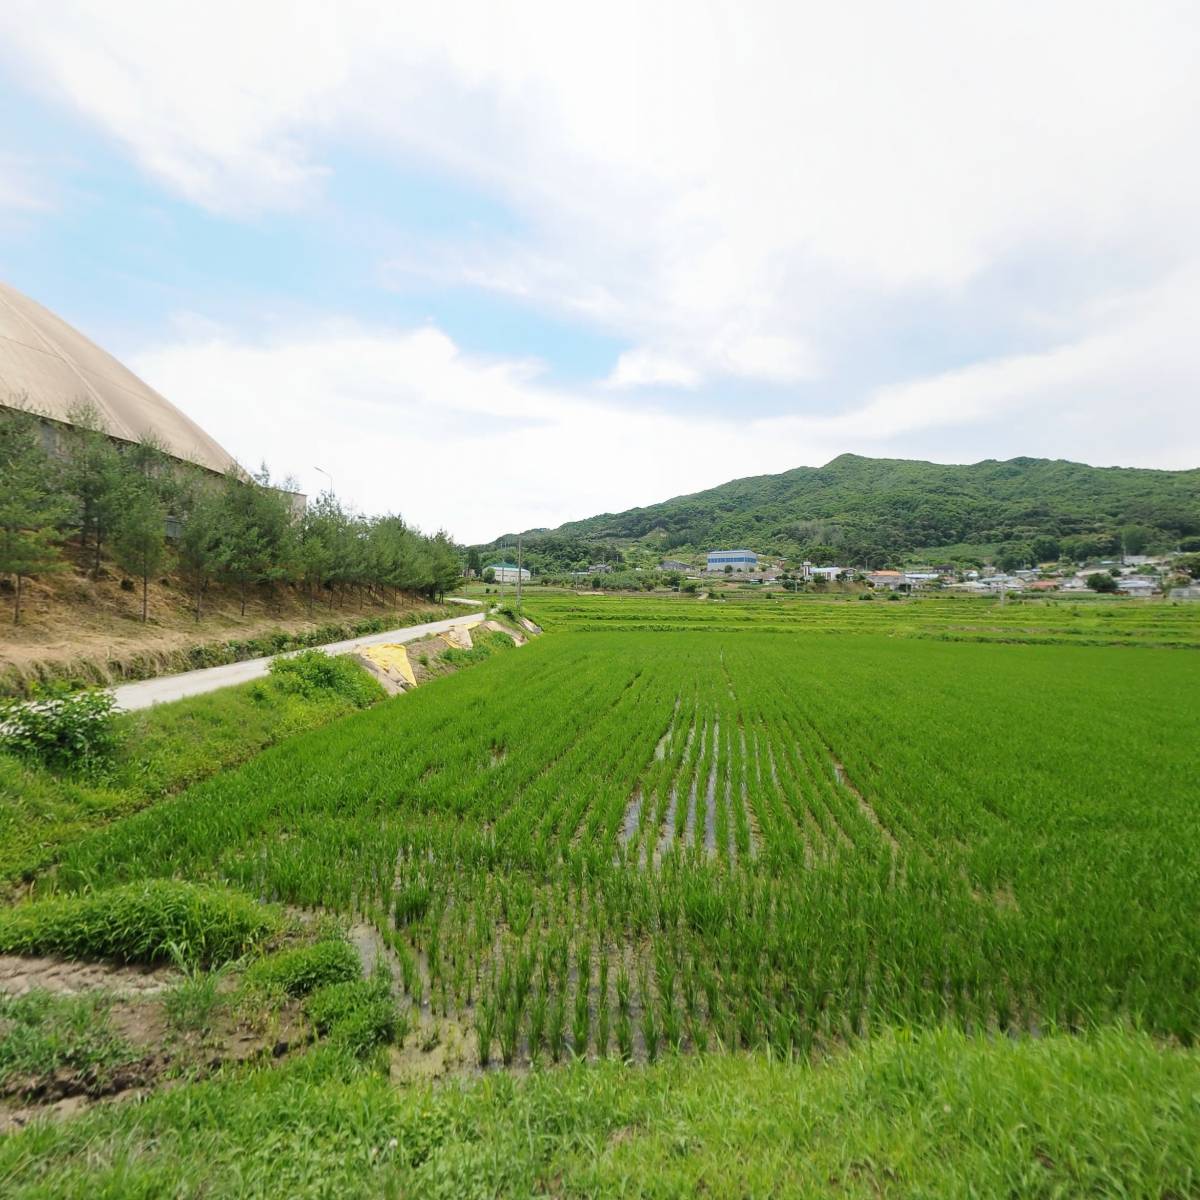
column 51, row 368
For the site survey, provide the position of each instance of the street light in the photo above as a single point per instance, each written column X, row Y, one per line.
column 327, row 476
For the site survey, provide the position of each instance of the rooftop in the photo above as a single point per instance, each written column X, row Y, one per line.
column 50, row 368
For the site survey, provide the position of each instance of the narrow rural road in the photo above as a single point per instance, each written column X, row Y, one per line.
column 165, row 688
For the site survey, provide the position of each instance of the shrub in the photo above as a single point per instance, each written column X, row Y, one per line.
column 162, row 920
column 306, row 968
column 313, row 671
column 62, row 729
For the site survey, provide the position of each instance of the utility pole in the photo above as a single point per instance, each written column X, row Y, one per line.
column 518, row 570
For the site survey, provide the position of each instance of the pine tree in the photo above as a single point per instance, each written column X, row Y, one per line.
column 200, row 541
column 92, row 474
column 32, row 506
column 139, row 538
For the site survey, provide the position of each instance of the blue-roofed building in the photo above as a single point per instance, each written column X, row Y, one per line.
column 737, row 560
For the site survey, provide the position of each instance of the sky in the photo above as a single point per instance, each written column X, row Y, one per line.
column 494, row 267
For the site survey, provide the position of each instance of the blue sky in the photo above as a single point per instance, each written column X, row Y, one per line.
column 499, row 268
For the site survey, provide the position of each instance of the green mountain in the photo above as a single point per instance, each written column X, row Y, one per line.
column 874, row 509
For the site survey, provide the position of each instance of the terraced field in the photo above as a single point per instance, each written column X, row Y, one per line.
column 620, row 843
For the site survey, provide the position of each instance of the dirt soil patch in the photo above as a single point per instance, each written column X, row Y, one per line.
column 19, row 975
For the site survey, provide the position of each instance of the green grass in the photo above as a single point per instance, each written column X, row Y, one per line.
column 484, row 644
column 305, row 968
column 357, row 1014
column 163, row 750
column 41, row 1034
column 936, row 1115
column 152, row 922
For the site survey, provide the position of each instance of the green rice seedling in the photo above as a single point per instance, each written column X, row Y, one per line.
column 411, row 903
column 650, row 1032
column 486, row 1017
column 511, row 1012
column 623, row 985
column 581, row 1024
column 556, row 1030
column 624, row 1033
column 191, row 1003
column 537, row 1022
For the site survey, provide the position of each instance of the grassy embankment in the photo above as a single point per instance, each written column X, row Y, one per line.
column 162, row 750
column 940, row 1114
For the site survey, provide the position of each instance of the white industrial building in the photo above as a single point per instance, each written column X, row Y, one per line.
column 508, row 572
column 736, row 560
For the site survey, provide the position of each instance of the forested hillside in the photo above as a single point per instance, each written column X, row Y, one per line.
column 869, row 509
column 73, row 495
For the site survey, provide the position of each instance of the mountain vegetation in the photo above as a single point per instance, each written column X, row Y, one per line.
column 868, row 511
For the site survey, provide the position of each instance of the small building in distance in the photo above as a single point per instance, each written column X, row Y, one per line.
column 1136, row 585
column 887, row 579
column 828, row 574
column 1190, row 592
column 671, row 564
column 737, row 560
column 508, row 572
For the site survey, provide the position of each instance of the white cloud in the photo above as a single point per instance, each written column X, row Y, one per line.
column 405, row 421
column 716, row 183
column 642, row 368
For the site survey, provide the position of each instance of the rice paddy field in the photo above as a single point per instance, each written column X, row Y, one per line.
column 1080, row 619
column 624, row 843
column 770, row 831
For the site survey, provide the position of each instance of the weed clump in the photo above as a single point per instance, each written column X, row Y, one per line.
column 161, row 920
column 313, row 672
column 357, row 1014
column 486, row 644
column 306, row 968
column 41, row 1033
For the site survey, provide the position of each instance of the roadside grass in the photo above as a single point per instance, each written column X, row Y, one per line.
column 485, row 644
column 163, row 750
column 41, row 1033
column 157, row 921
column 935, row 1114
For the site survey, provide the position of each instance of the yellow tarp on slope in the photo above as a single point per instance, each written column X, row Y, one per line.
column 459, row 637
column 391, row 658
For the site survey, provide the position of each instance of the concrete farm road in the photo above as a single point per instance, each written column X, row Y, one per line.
column 165, row 688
